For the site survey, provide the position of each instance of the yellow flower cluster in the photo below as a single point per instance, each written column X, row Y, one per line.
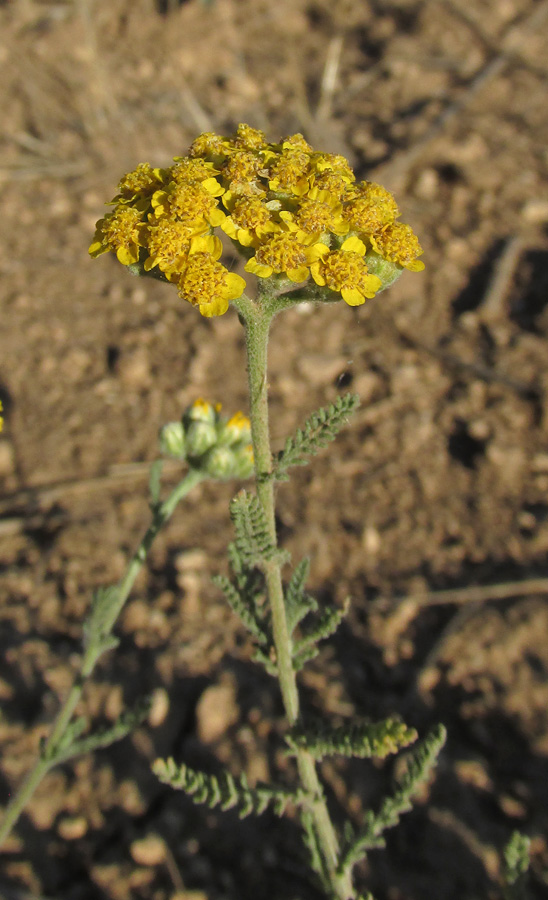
column 293, row 213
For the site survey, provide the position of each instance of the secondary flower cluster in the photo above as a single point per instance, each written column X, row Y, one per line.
column 220, row 447
column 294, row 213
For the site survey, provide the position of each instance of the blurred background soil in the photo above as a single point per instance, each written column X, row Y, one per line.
column 440, row 484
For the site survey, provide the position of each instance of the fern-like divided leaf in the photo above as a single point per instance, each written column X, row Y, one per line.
column 419, row 764
column 319, row 430
column 226, row 791
column 368, row 739
column 73, row 745
column 96, row 626
column 307, row 647
column 239, row 605
column 254, row 544
column 298, row 603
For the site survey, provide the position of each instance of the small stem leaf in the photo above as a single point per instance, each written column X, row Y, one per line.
column 254, row 542
column 420, row 762
column 310, row 838
column 239, row 604
column 225, row 790
column 297, row 603
column 327, row 624
column 97, row 626
column 363, row 740
column 320, row 429
column 261, row 657
column 301, row 658
column 127, row 722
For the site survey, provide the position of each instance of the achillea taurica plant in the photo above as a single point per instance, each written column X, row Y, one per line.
column 308, row 231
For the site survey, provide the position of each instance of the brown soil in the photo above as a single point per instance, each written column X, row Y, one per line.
column 440, row 483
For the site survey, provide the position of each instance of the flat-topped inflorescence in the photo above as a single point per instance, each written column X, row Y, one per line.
column 298, row 216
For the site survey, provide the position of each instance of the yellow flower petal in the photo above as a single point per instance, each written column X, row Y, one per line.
column 354, row 244
column 298, row 275
column 352, row 296
column 258, row 269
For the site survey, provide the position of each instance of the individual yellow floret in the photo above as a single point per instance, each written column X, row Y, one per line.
column 207, row 284
column 142, row 182
column 122, row 231
column 287, row 173
column 189, row 203
column 399, row 243
column 248, row 138
column 369, row 207
column 248, row 221
column 345, row 271
column 283, row 254
column 316, row 216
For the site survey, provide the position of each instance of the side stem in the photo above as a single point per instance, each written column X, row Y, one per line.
column 257, row 319
column 47, row 756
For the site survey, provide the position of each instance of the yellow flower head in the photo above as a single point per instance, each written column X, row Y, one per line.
column 191, row 170
column 249, row 220
column 209, row 285
column 317, row 216
column 332, row 182
column 345, row 271
column 294, row 213
column 296, row 142
column 209, row 145
column 142, row 182
column 190, row 203
column 398, row 243
column 369, row 207
column 282, row 254
column 122, row 231
column 241, row 166
column 288, row 172
column 248, row 138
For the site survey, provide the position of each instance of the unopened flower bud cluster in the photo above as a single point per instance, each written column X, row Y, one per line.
column 217, row 446
column 295, row 214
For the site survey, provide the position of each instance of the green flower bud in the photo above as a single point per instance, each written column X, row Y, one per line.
column 244, row 462
column 201, row 411
column 172, row 440
column 200, row 437
column 220, row 463
column 236, row 430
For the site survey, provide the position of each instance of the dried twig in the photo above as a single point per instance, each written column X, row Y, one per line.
column 472, row 594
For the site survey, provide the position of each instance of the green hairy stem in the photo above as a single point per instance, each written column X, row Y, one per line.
column 257, row 320
column 98, row 630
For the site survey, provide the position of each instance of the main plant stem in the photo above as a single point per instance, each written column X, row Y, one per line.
column 93, row 651
column 257, row 319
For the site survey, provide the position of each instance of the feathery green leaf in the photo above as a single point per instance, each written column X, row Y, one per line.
column 225, row 790
column 254, row 544
column 419, row 764
column 306, row 648
column 319, row 430
column 366, row 739
column 240, row 605
column 297, row 603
